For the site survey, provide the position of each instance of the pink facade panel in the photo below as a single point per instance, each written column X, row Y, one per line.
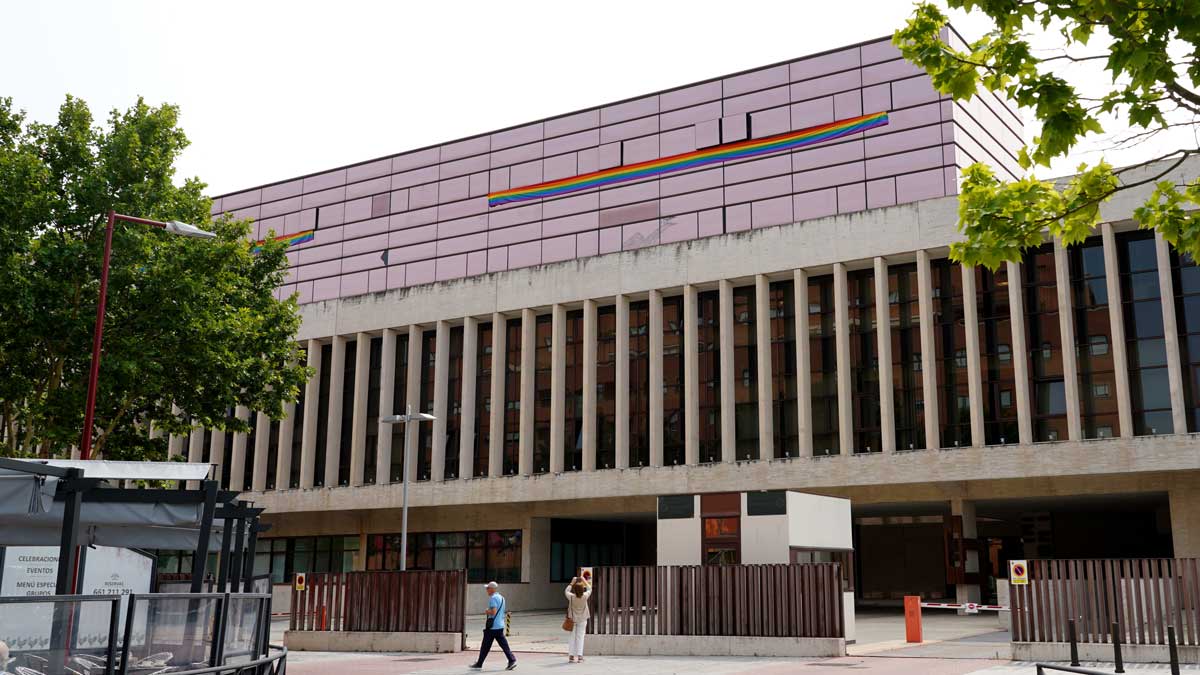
column 425, row 214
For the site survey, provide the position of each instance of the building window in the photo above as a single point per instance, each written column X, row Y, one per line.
column 905, row 336
column 639, row 383
column 1149, row 384
column 673, row 383
column 575, row 544
column 424, row 432
column 822, row 345
column 248, row 453
column 283, row 558
column 487, row 556
column 543, row 364
column 998, row 377
column 708, row 339
column 272, row 452
column 573, row 392
column 512, row 397
column 864, row 361
column 1089, row 291
column 606, row 387
column 454, row 383
column 322, row 417
column 371, row 433
column 483, row 400
column 782, row 304
column 346, row 432
column 297, row 431
column 1186, row 282
column 745, row 362
column 1045, row 339
column 395, row 436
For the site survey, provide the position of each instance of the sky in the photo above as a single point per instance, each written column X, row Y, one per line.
column 273, row 90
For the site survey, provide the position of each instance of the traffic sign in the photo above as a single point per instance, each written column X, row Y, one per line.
column 300, row 581
column 1018, row 573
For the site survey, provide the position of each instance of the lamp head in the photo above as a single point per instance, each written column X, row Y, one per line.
column 181, row 228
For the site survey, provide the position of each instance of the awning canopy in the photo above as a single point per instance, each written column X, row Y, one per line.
column 107, row 470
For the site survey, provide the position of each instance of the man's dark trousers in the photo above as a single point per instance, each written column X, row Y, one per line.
column 497, row 635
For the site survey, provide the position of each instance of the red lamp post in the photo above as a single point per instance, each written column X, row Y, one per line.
column 174, row 227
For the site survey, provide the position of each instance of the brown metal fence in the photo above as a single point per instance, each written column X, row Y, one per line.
column 797, row 600
column 1141, row 596
column 414, row 601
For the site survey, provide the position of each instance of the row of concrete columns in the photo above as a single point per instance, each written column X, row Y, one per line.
column 558, row 315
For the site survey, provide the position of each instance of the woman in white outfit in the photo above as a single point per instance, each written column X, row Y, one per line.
column 577, row 609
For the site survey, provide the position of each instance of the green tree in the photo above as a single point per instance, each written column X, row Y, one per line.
column 1151, row 50
column 190, row 323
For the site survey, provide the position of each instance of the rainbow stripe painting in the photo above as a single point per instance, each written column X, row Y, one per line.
column 289, row 239
column 719, row 153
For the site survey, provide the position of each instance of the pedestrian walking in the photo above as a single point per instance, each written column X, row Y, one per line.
column 577, row 617
column 493, row 629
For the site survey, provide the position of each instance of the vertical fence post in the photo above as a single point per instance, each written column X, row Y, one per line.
column 1074, row 643
column 1173, row 650
column 1117, row 637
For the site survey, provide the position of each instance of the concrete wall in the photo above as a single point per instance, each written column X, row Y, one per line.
column 330, row 641
column 711, row 645
column 1185, row 521
column 764, row 538
column 423, row 216
column 815, row 521
column 679, row 539
column 1061, row 651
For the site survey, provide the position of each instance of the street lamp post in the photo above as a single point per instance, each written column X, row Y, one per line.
column 174, row 227
column 406, row 419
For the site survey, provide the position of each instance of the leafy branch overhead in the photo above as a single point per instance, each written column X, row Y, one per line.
column 193, row 329
column 1150, row 49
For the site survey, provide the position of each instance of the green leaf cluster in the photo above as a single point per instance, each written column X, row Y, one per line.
column 193, row 328
column 1152, row 52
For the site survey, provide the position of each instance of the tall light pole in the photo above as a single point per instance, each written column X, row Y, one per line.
column 406, row 419
column 174, row 227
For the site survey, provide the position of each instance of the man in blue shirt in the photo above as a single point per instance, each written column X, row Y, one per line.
column 493, row 629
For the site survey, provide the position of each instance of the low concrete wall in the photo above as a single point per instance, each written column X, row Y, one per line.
column 710, row 645
column 1061, row 651
column 331, row 641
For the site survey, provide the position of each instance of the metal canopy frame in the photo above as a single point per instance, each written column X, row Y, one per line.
column 74, row 490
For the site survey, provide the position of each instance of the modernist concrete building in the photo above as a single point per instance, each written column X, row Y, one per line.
column 737, row 285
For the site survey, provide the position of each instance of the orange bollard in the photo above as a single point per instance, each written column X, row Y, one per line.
column 912, row 618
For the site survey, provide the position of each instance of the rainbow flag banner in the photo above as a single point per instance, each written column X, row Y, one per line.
column 290, row 239
column 719, row 153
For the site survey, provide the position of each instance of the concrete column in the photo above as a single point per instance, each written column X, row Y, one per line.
column 387, row 406
column 174, row 441
column 728, row 377
column 312, row 394
column 358, row 428
column 929, row 391
column 558, row 386
column 762, row 343
column 1112, row 281
column 966, row 509
column 283, row 456
column 1166, row 289
column 656, row 378
column 1066, row 327
column 1185, row 519
column 528, row 363
column 216, row 451
column 589, row 385
column 1020, row 353
column 441, row 380
column 333, row 427
column 412, row 397
column 883, row 350
column 974, row 371
column 841, row 320
column 691, row 377
column 237, row 458
column 262, row 441
column 466, row 424
column 621, row 382
column 803, row 366
column 195, row 454
column 496, row 419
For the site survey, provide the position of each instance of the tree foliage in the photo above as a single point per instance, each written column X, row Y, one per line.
column 192, row 327
column 1151, row 50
